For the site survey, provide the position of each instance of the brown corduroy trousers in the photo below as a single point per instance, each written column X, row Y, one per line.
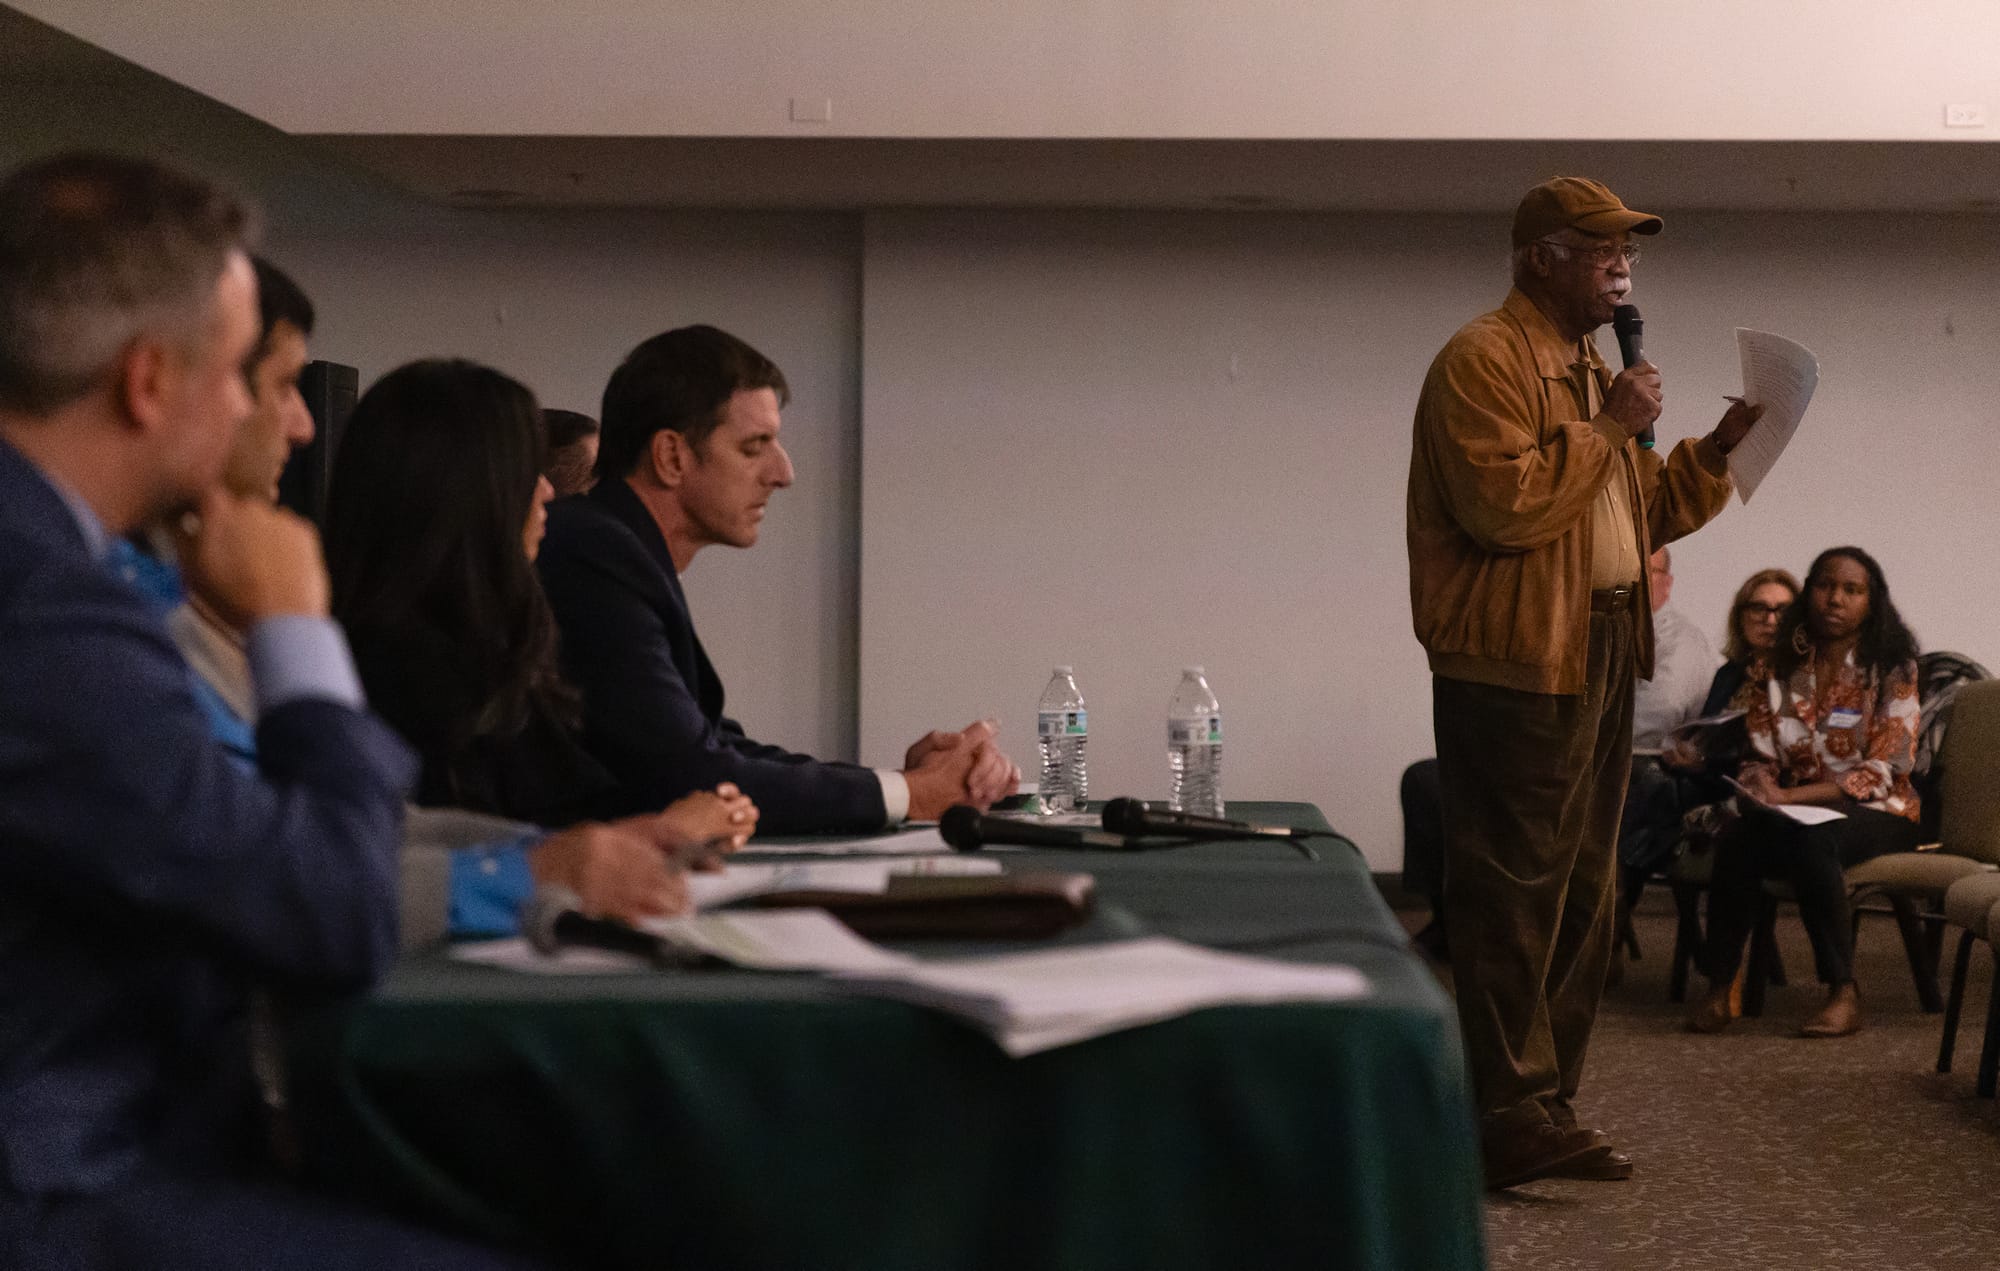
column 1532, row 788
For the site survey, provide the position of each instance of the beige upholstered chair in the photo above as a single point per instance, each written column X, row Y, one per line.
column 1974, row 904
column 1971, row 827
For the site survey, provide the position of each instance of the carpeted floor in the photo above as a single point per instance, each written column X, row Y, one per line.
column 1756, row 1149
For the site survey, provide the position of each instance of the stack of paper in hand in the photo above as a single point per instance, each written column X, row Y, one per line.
column 1031, row 1002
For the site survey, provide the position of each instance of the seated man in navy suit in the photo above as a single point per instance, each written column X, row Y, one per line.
column 151, row 886
column 688, row 456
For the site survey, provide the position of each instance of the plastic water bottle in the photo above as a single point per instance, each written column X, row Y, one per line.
column 1194, row 746
column 1062, row 727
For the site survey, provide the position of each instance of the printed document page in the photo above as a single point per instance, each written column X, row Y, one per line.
column 868, row 877
column 1803, row 813
column 1031, row 1002
column 913, row 841
column 780, row 940
column 1780, row 376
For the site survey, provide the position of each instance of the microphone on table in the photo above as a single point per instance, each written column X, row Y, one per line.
column 968, row 829
column 553, row 920
column 1137, row 818
column 1629, row 326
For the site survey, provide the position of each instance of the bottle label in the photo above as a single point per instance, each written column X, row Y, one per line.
column 1060, row 723
column 1206, row 731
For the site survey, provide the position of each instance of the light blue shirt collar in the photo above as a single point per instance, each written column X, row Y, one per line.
column 95, row 537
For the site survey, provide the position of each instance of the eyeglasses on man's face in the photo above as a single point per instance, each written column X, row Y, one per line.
column 1599, row 255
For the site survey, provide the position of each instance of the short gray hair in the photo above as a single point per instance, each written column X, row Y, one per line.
column 1562, row 242
column 96, row 250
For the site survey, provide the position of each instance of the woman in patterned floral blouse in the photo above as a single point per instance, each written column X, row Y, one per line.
column 1835, row 729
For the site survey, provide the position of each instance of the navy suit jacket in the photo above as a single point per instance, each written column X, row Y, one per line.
column 652, row 701
column 148, row 880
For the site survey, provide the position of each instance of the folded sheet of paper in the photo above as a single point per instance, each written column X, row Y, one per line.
column 735, row 881
column 777, row 940
column 1780, row 376
column 1803, row 813
column 915, row 841
column 1029, row 1002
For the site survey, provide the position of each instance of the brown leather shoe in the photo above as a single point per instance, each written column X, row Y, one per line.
column 1541, row 1151
column 1840, row 1017
column 1711, row 1014
column 1604, row 1163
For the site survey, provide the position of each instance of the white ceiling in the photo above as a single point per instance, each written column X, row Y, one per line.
column 789, row 170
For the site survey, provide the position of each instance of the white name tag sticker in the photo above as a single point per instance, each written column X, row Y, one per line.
column 1842, row 718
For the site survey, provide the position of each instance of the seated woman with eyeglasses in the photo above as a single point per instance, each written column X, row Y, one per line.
column 1833, row 726
column 1752, row 635
column 436, row 514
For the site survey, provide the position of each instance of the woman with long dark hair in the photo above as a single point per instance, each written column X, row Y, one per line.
column 1833, row 729
column 436, row 514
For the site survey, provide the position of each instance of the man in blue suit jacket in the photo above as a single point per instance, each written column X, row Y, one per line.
column 149, row 885
column 688, row 457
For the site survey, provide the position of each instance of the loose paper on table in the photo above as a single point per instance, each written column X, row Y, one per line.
column 1780, row 376
column 786, row 940
column 868, row 877
column 1031, row 1002
column 914, row 841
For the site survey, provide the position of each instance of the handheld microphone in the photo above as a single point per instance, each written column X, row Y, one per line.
column 553, row 920
column 1136, row 817
column 968, row 829
column 1628, row 326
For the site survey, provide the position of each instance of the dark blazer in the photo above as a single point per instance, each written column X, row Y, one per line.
column 148, row 881
column 652, row 701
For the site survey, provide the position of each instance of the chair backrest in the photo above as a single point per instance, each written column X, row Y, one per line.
column 1940, row 674
column 1971, row 779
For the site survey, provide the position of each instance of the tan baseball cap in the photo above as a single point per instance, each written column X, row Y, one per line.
column 1577, row 203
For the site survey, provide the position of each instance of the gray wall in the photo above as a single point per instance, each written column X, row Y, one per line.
column 1130, row 441
column 556, row 299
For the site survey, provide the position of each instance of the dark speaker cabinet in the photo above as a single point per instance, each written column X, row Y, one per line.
column 329, row 389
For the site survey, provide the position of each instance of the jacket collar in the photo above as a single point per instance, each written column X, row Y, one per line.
column 622, row 501
column 1555, row 357
column 82, row 520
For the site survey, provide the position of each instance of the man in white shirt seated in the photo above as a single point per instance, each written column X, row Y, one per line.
column 1684, row 665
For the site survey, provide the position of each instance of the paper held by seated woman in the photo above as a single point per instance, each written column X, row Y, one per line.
column 1803, row 813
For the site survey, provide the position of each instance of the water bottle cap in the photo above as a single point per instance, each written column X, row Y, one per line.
column 1064, row 670
column 1192, row 670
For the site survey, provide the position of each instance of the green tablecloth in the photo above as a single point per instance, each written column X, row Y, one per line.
column 725, row 1119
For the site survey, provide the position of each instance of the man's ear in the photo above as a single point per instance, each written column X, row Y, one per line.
column 143, row 380
column 666, row 458
column 1540, row 259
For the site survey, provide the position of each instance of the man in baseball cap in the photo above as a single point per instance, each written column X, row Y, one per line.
column 1531, row 514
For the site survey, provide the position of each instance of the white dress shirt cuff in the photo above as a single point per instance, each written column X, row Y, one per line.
column 295, row 656
column 895, row 795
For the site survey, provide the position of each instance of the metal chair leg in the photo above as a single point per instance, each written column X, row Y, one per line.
column 1922, row 970
column 1954, row 1002
column 1989, row 1051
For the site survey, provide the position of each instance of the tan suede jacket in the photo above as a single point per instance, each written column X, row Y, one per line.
column 1504, row 468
